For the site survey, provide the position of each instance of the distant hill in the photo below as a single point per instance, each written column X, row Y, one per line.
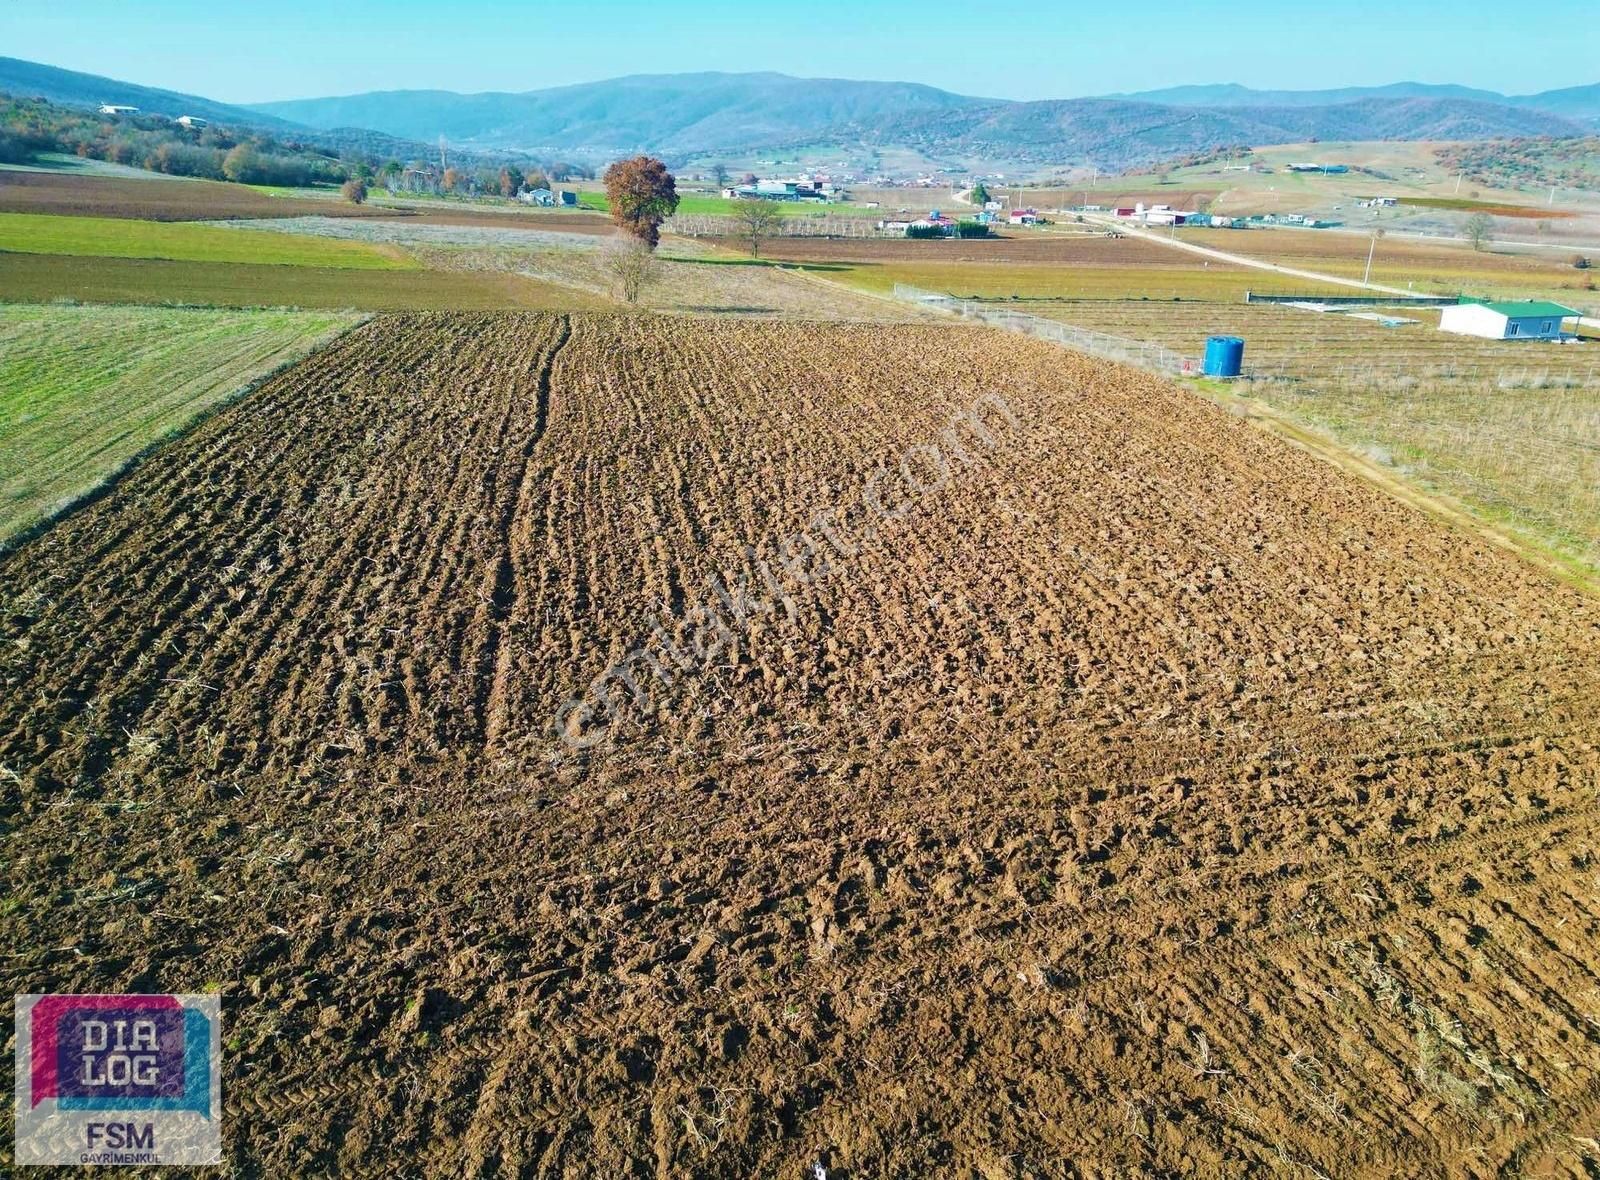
column 1231, row 94
column 27, row 79
column 682, row 113
column 1574, row 102
column 1114, row 133
column 695, row 116
column 691, row 115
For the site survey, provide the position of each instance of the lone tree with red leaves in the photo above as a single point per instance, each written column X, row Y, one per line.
column 642, row 194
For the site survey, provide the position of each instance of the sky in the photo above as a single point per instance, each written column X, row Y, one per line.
column 233, row 52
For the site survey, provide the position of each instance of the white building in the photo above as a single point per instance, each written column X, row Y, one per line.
column 1526, row 320
column 193, row 121
column 113, row 109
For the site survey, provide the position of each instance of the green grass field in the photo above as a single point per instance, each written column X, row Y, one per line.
column 41, row 278
column 109, row 237
column 84, row 390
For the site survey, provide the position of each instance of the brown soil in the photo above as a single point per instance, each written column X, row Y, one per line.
column 41, row 278
column 1152, row 799
column 1041, row 247
column 157, row 199
column 169, row 199
column 553, row 222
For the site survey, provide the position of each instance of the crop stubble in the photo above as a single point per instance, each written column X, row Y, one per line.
column 1149, row 796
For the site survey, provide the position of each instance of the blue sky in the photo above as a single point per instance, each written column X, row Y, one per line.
column 295, row 48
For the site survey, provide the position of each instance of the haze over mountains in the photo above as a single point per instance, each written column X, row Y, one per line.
column 696, row 116
column 1577, row 102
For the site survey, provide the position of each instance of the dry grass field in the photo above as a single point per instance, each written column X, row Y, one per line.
column 1512, row 430
column 1400, row 261
column 606, row 746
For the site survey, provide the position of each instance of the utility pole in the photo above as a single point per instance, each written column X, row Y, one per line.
column 1366, row 280
column 443, row 165
column 1552, row 195
column 1458, row 181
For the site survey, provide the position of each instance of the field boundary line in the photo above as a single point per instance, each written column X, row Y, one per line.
column 1143, row 354
column 106, row 485
column 1439, row 505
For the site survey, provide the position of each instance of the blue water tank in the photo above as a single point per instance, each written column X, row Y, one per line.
column 1224, row 356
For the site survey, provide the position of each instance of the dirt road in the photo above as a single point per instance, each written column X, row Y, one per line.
column 1241, row 259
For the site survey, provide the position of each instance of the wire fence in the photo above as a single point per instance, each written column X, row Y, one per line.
column 1146, row 355
column 698, row 225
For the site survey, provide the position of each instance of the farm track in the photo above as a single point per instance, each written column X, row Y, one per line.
column 1149, row 798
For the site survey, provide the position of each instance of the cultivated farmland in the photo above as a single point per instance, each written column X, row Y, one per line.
column 113, row 237
column 152, row 197
column 604, row 746
column 34, row 278
column 83, row 390
column 1400, row 260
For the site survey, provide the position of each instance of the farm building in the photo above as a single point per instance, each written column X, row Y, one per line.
column 781, row 190
column 537, row 196
column 568, row 197
column 111, row 108
column 1024, row 217
column 192, row 121
column 1525, row 320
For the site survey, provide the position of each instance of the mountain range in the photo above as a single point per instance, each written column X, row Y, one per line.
column 1574, row 102
column 700, row 116
column 697, row 114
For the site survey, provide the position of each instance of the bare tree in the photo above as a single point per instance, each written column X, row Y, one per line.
column 1479, row 230
column 631, row 265
column 757, row 219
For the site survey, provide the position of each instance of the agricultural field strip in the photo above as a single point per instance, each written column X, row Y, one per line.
column 84, row 390
column 695, row 278
column 44, row 233
column 402, row 232
column 43, row 278
column 944, row 800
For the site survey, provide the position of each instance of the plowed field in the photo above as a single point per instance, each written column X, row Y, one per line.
column 605, row 746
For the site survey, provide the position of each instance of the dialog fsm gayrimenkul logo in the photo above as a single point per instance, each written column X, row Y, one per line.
column 129, row 1079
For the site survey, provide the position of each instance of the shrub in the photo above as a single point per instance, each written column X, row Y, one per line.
column 14, row 149
column 354, row 190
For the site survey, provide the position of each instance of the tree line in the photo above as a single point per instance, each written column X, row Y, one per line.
column 29, row 127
